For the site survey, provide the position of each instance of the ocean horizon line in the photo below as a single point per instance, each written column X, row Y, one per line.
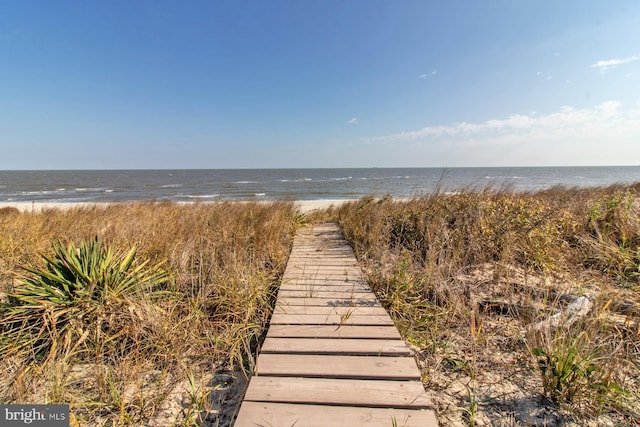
column 315, row 168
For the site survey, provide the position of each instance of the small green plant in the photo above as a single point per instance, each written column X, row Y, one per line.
column 565, row 366
column 198, row 397
column 576, row 370
column 472, row 412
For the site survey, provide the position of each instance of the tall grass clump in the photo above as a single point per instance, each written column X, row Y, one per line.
column 129, row 312
column 580, row 365
column 466, row 275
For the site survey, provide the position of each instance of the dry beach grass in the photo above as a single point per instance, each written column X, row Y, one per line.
column 152, row 344
column 465, row 276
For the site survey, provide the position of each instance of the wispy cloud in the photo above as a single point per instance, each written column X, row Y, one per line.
column 604, row 66
column 427, row 75
column 606, row 119
column 542, row 75
column 353, row 121
column 602, row 134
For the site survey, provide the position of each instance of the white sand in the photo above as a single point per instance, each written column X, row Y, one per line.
column 313, row 205
column 39, row 206
column 305, row 206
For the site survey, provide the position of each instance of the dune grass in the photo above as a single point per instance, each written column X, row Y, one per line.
column 467, row 275
column 127, row 311
column 174, row 298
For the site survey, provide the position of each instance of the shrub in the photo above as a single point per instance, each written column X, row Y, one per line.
column 79, row 301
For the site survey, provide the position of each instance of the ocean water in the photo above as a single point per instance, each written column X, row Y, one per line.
column 288, row 184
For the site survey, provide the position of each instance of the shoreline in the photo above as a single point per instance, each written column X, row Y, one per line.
column 305, row 206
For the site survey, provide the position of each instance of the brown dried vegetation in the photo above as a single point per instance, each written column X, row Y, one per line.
column 467, row 275
column 158, row 355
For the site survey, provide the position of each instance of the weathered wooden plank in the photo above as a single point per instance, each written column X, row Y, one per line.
column 330, row 302
column 330, row 391
column 329, row 277
column 322, row 297
column 329, row 319
column 322, row 261
column 316, row 291
column 371, row 367
column 314, row 281
column 320, row 275
column 349, row 279
column 345, row 260
column 329, row 272
column 310, row 293
column 332, row 331
column 329, row 249
column 305, row 271
column 313, row 266
column 341, row 262
column 304, row 284
column 309, row 244
column 327, row 295
column 312, row 246
column 325, row 288
column 324, row 278
column 332, row 258
column 317, row 287
column 285, row 414
column 374, row 347
column 338, row 310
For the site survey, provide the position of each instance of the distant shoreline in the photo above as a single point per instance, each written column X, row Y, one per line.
column 304, row 206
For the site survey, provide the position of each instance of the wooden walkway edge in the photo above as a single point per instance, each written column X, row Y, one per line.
column 332, row 356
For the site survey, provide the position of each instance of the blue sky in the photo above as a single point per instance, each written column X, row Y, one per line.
column 262, row 84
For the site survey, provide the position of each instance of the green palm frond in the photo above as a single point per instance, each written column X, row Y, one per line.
column 78, row 289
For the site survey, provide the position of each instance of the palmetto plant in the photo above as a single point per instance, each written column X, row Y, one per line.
column 85, row 298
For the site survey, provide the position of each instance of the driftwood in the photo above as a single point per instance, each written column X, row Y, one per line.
column 626, row 308
column 624, row 314
column 580, row 307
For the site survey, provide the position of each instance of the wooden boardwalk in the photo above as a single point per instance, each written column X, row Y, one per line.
column 332, row 356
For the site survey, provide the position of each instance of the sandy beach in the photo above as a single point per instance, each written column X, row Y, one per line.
column 305, row 206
